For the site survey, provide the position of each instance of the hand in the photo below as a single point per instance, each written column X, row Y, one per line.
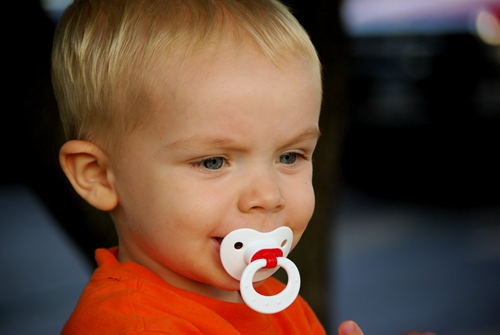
column 351, row 328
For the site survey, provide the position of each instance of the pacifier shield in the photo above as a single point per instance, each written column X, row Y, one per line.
column 239, row 246
column 250, row 256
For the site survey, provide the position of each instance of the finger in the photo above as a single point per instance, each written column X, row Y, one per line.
column 349, row 328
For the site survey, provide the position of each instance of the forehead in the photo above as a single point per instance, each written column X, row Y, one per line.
column 236, row 100
column 226, row 70
column 229, row 99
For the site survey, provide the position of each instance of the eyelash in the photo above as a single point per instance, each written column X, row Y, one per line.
column 297, row 154
column 202, row 163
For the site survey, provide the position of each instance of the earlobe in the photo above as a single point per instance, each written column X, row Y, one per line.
column 87, row 168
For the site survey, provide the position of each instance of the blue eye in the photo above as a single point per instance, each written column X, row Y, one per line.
column 213, row 163
column 288, row 158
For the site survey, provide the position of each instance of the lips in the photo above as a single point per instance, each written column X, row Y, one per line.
column 217, row 242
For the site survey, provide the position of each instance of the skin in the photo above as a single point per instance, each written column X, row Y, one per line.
column 230, row 147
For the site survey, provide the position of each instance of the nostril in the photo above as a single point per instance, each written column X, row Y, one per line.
column 285, row 241
column 238, row 245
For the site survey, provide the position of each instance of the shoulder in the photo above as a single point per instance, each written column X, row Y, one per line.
column 127, row 299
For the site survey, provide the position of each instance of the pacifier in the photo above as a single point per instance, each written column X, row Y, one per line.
column 251, row 256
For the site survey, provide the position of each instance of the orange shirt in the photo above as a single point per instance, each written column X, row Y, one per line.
column 131, row 299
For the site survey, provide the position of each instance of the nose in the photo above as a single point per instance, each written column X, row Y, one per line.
column 262, row 193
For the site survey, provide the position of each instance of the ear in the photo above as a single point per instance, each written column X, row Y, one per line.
column 87, row 168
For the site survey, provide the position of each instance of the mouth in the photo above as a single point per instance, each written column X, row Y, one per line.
column 217, row 242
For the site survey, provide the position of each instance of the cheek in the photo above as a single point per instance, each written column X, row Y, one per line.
column 303, row 208
column 308, row 198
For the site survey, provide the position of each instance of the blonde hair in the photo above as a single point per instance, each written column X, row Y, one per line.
column 104, row 49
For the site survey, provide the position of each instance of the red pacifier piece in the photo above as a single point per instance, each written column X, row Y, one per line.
column 270, row 255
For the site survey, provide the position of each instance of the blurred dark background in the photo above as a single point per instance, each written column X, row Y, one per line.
column 406, row 233
column 416, row 243
column 425, row 102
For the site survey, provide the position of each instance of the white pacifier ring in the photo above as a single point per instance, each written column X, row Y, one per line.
column 251, row 256
column 270, row 304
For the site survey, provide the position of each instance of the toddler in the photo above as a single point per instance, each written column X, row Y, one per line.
column 186, row 120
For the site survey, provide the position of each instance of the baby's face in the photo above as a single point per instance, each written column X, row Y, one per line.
column 230, row 147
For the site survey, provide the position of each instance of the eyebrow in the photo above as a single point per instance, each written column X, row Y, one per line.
column 308, row 134
column 206, row 140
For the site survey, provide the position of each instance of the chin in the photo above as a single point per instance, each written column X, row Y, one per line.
column 232, row 286
column 225, row 282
